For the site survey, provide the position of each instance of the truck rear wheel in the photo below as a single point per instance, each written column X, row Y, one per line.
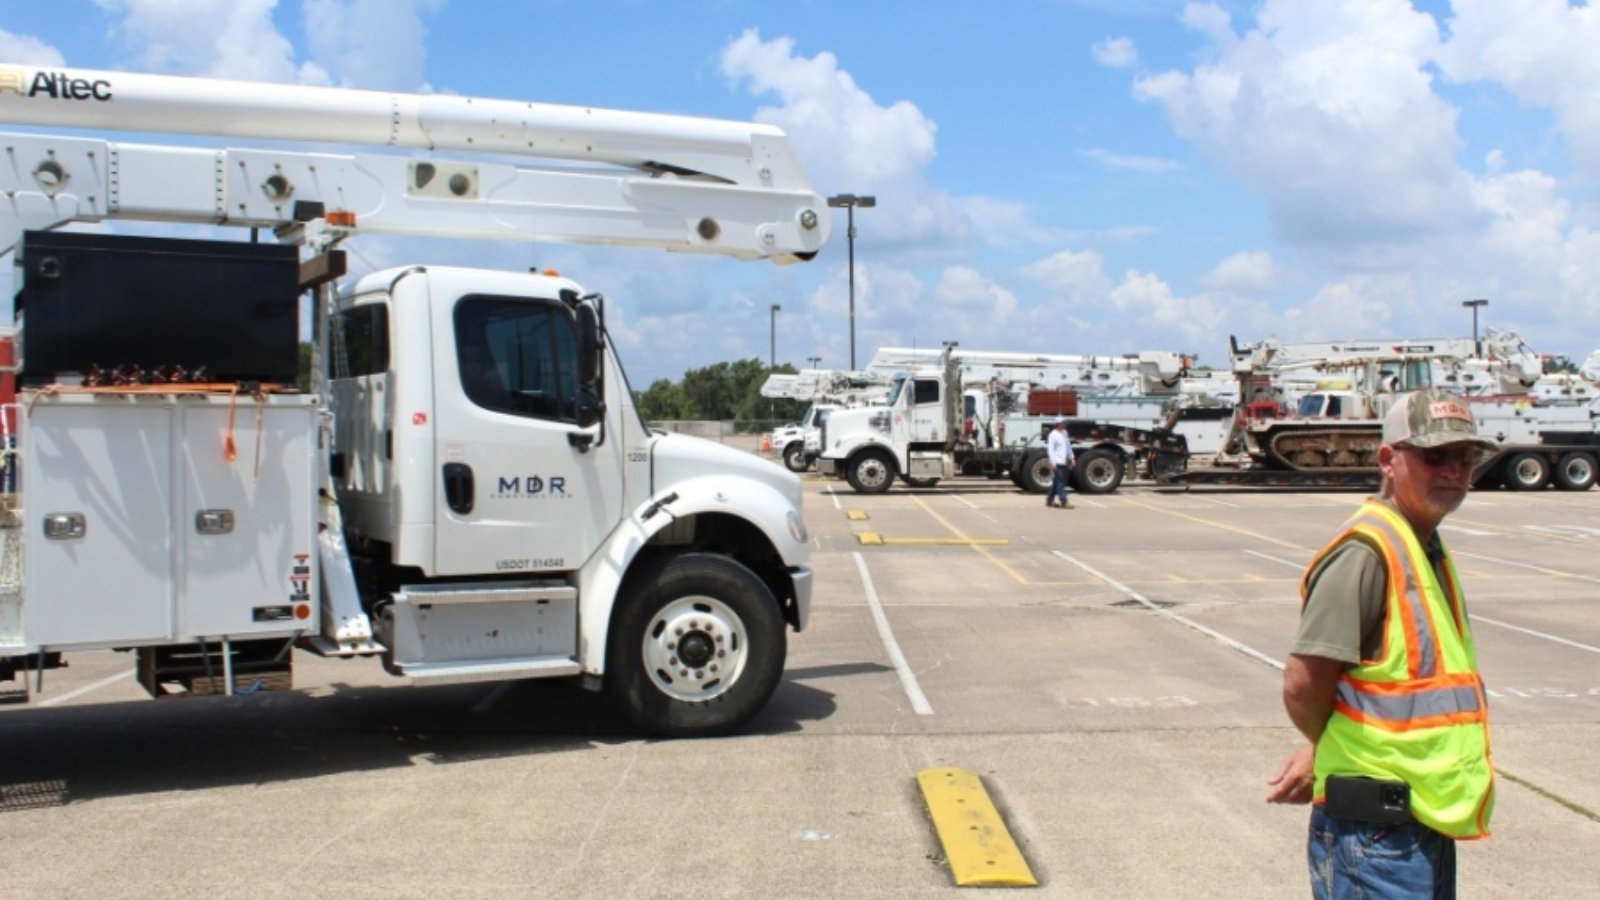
column 794, row 457
column 1527, row 472
column 1099, row 471
column 1575, row 472
column 1037, row 472
column 870, row 472
column 697, row 646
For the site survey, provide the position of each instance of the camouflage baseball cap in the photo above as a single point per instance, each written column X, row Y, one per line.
column 1431, row 418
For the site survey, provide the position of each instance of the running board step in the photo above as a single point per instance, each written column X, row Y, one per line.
column 491, row 670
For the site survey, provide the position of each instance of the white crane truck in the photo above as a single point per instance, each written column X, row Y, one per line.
column 927, row 432
column 466, row 490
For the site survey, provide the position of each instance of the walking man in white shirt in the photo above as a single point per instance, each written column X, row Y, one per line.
column 1062, row 461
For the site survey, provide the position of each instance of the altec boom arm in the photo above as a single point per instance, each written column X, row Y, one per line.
column 671, row 182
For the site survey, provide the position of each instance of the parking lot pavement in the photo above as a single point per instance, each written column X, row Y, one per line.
column 1112, row 672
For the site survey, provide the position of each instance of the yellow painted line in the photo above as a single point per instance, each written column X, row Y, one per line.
column 856, row 515
column 976, row 842
column 994, row 560
column 957, row 542
column 870, row 537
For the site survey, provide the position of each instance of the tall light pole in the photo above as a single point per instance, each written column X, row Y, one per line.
column 849, row 202
column 772, row 359
column 1477, row 347
column 814, row 360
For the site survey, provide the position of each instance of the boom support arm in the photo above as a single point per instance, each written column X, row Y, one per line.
column 678, row 183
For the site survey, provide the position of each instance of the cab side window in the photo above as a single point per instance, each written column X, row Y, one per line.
column 518, row 357
column 927, row 391
column 359, row 341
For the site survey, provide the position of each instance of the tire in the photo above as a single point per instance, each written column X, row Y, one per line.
column 1098, row 471
column 870, row 472
column 794, row 457
column 1527, row 472
column 1575, row 472
column 919, row 482
column 1037, row 473
column 713, row 608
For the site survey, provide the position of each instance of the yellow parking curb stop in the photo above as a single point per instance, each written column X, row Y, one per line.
column 976, row 842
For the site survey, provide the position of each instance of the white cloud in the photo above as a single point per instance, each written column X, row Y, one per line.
column 965, row 288
column 849, row 141
column 1328, row 110
column 850, row 135
column 1115, row 53
column 1358, row 307
column 1076, row 275
column 1243, row 273
column 29, row 50
column 372, row 44
column 375, row 44
column 1150, row 165
column 1543, row 52
column 217, row 40
column 1164, row 320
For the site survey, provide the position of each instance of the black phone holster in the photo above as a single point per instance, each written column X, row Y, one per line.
column 1359, row 799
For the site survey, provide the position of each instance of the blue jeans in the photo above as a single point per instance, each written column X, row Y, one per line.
column 1364, row 861
column 1058, row 486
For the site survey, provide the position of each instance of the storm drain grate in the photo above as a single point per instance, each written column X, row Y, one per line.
column 32, row 795
column 1131, row 603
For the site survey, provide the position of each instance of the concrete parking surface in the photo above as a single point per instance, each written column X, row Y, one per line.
column 1112, row 672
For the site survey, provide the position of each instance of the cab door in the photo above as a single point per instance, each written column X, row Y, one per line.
column 925, row 412
column 520, row 487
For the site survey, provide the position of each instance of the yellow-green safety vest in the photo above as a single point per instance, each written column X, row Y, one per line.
column 1418, row 712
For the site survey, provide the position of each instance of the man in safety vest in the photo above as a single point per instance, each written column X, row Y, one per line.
column 1383, row 678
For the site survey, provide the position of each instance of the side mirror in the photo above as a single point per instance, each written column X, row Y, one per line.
column 591, row 404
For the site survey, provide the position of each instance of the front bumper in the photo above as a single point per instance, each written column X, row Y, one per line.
column 801, row 576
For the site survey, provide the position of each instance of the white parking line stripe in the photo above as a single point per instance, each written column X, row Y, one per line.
column 1215, row 635
column 1539, row 634
column 919, row 703
column 1523, row 565
column 1292, row 565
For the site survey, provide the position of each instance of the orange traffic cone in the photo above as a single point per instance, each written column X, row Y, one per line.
column 766, row 443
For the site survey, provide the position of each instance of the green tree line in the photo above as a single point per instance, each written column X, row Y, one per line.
column 722, row 391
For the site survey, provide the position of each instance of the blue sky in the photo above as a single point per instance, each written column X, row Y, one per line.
column 1066, row 176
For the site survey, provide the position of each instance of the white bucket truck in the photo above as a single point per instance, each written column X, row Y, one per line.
column 466, row 490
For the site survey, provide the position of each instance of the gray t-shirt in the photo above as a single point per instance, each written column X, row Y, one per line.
column 1345, row 606
column 1347, row 602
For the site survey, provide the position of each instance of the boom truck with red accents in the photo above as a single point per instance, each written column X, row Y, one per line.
column 466, row 490
column 1310, row 415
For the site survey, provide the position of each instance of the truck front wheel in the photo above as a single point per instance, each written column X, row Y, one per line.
column 1037, row 472
column 697, row 647
column 794, row 457
column 870, row 473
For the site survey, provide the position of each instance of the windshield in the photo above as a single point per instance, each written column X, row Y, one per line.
column 899, row 385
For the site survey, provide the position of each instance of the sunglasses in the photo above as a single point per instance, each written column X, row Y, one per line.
column 1439, row 457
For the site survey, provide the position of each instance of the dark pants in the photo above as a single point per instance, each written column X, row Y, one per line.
column 1058, row 486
